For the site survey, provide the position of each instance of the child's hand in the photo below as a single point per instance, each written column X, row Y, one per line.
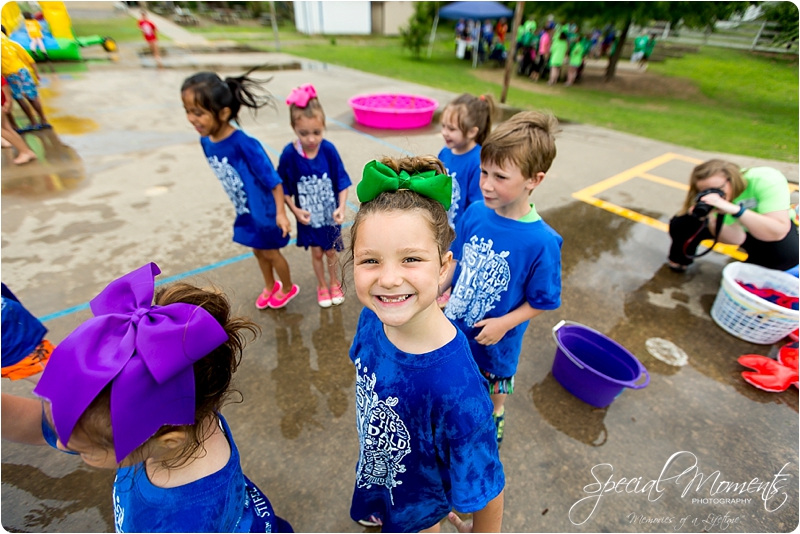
column 458, row 523
column 493, row 330
column 303, row 216
column 7, row 106
column 283, row 223
column 338, row 214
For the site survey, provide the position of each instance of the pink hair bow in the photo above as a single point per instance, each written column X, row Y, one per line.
column 301, row 95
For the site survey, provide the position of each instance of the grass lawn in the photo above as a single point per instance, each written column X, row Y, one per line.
column 750, row 103
column 122, row 29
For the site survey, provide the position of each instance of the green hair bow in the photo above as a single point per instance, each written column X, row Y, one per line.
column 378, row 178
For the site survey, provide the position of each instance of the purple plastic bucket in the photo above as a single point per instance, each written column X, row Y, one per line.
column 593, row 367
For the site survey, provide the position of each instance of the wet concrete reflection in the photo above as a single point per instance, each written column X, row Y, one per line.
column 59, row 167
column 57, row 497
column 568, row 414
column 292, row 377
column 335, row 372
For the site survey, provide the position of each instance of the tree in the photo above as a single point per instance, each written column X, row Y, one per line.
column 785, row 14
column 416, row 33
column 693, row 14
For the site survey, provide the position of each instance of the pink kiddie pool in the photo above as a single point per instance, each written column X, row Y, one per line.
column 393, row 111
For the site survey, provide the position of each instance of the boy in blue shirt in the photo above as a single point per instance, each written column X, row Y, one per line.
column 508, row 259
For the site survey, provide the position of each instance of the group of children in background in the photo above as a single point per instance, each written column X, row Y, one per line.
column 432, row 374
column 546, row 52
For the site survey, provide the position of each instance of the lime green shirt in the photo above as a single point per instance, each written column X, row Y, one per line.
column 532, row 216
column 767, row 191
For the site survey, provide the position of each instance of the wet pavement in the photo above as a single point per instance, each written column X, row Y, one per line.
column 125, row 182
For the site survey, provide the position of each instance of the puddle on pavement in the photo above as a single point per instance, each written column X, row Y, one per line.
column 57, row 498
column 58, row 168
column 615, row 280
column 566, row 413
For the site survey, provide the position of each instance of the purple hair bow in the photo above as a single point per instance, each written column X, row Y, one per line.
column 145, row 352
column 301, row 95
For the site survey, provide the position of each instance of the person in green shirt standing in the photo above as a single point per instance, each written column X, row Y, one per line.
column 576, row 55
column 639, row 46
column 558, row 51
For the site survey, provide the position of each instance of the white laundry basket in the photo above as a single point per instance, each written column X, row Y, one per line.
column 748, row 316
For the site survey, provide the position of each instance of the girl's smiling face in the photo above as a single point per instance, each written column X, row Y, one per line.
column 202, row 119
column 309, row 131
column 397, row 269
column 455, row 139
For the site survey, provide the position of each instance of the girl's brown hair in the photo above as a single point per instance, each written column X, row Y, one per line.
column 711, row 168
column 212, row 374
column 406, row 200
column 312, row 109
column 471, row 111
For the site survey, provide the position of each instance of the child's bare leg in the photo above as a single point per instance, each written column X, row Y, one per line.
column 266, row 268
column 154, row 50
column 37, row 105
column 25, row 154
column 319, row 269
column 281, row 267
column 23, row 104
column 333, row 266
column 498, row 399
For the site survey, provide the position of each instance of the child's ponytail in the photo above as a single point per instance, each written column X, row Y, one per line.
column 486, row 110
column 214, row 94
column 472, row 111
column 248, row 92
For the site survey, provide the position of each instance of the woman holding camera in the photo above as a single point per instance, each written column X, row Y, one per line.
column 749, row 208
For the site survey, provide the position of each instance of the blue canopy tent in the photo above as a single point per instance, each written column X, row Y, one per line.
column 469, row 10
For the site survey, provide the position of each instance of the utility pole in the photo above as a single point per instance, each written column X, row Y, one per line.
column 511, row 58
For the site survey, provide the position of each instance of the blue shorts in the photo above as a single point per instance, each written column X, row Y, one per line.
column 22, row 85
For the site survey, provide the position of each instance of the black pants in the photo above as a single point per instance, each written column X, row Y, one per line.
column 780, row 255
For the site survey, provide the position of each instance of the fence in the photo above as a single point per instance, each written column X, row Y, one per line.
column 757, row 35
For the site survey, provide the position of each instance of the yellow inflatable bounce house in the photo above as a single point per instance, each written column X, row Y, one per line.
column 60, row 42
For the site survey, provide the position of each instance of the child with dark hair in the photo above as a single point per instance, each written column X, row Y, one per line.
column 427, row 441
column 315, row 184
column 509, row 259
column 139, row 387
column 246, row 174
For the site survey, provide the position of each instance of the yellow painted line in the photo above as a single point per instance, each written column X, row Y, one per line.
column 664, row 181
column 624, row 176
column 624, row 212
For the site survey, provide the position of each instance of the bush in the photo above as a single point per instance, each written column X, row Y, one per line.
column 415, row 35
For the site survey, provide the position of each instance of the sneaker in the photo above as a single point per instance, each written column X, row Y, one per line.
column 371, row 521
column 280, row 299
column 263, row 299
column 499, row 423
column 324, row 297
column 337, row 296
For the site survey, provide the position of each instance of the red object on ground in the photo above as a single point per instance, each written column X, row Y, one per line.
column 770, row 375
column 788, row 355
column 795, row 336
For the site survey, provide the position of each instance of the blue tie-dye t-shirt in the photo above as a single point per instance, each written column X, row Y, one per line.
column 248, row 177
column 225, row 501
column 428, row 442
column 502, row 263
column 465, row 170
column 315, row 185
column 22, row 332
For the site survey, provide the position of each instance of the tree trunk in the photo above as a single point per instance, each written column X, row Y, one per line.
column 511, row 58
column 612, row 62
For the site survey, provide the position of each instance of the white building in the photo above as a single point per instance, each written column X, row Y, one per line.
column 351, row 18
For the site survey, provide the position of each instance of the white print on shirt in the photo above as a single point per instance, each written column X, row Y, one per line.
column 119, row 511
column 453, row 211
column 231, row 182
column 259, row 505
column 316, row 196
column 484, row 276
column 383, row 435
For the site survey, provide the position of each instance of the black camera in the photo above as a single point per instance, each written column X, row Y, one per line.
column 701, row 209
